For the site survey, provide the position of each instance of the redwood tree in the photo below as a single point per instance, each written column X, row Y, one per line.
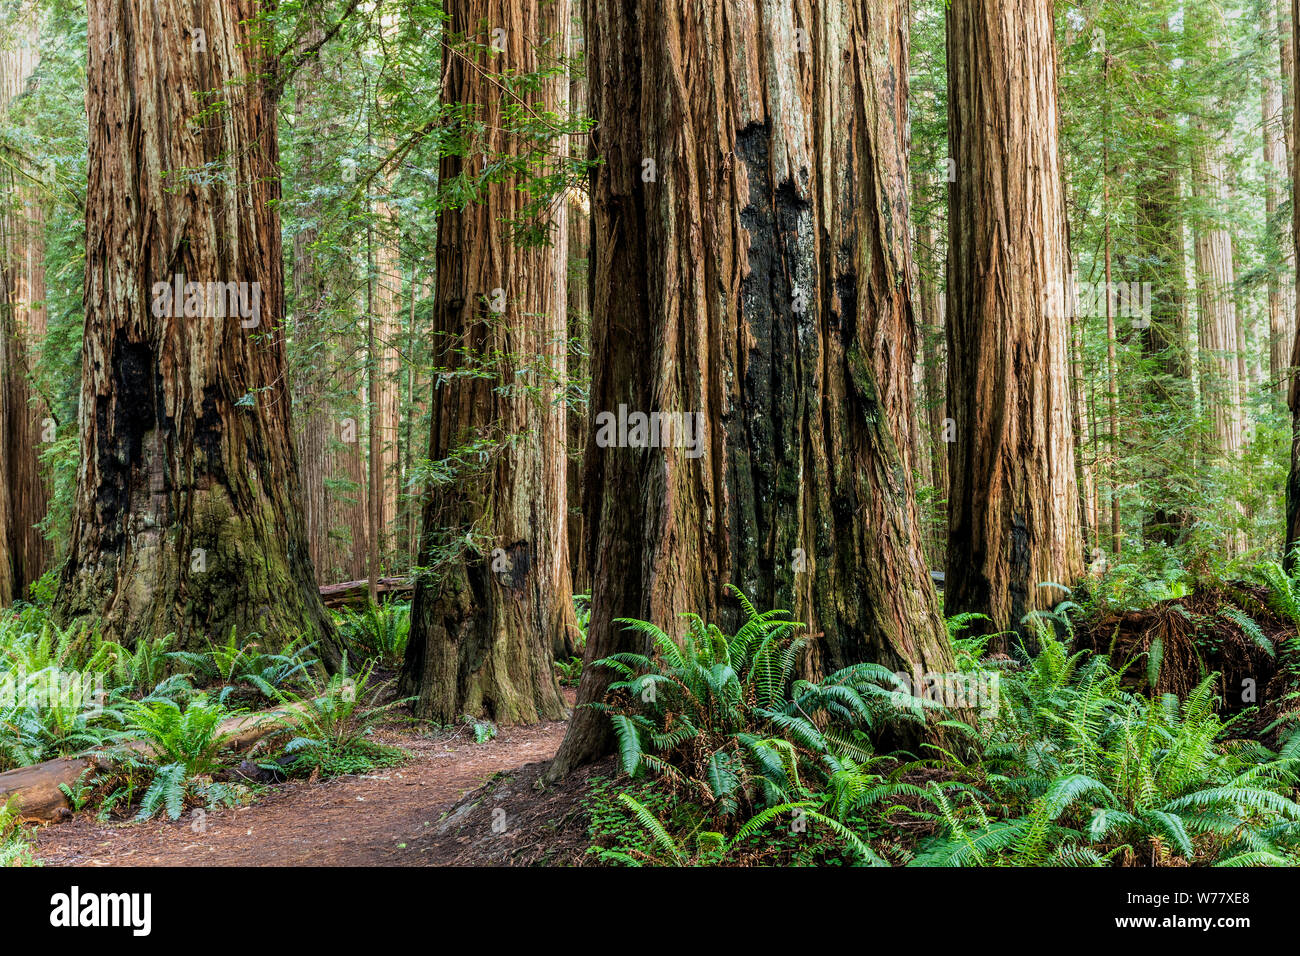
column 327, row 433
column 752, row 267
column 1219, row 321
column 496, row 596
column 24, row 551
column 1013, row 506
column 187, row 516
column 1293, row 388
column 1281, row 276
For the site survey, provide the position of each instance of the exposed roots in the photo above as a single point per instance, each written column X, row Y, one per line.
column 1232, row 630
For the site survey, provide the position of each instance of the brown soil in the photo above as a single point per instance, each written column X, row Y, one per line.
column 511, row 822
column 389, row 817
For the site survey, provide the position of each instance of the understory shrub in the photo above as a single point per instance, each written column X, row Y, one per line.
column 333, row 721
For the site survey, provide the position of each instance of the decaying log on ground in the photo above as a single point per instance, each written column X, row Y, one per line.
column 35, row 794
column 354, row 593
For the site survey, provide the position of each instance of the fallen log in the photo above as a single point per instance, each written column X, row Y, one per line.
column 34, row 792
column 357, row 593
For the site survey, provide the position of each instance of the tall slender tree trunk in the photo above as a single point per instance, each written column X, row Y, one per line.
column 579, row 323
column 374, row 478
column 933, row 375
column 349, row 506
column 188, row 511
column 1112, row 365
column 1083, row 429
column 1292, row 540
column 1013, row 512
column 918, row 452
column 1220, row 378
column 311, row 411
column 383, row 371
column 307, row 309
column 326, row 380
column 411, row 429
column 1281, row 278
column 24, row 551
column 484, row 626
column 752, row 274
column 1286, row 56
column 1241, row 324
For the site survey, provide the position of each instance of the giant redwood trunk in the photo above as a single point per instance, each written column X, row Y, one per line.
column 752, row 269
column 1013, row 508
column 24, row 552
column 188, row 516
column 497, row 597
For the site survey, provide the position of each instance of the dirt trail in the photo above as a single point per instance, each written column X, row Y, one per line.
column 380, row 819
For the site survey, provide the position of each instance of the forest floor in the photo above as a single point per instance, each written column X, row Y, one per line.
column 389, row 817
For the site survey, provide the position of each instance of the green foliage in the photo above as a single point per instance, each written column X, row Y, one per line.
column 569, row 672
column 143, row 671
column 234, row 662
column 177, row 748
column 16, row 843
column 1079, row 770
column 190, row 736
column 582, row 611
column 1283, row 587
column 735, row 742
column 1143, row 579
column 54, row 700
column 333, row 721
column 379, row 631
column 967, row 651
column 483, row 730
column 617, row 838
column 725, row 717
column 1074, row 768
column 714, row 849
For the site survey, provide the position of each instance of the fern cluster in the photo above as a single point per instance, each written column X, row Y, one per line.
column 235, row 662
column 177, row 747
column 15, row 841
column 332, row 722
column 1079, row 770
column 379, row 631
column 723, row 720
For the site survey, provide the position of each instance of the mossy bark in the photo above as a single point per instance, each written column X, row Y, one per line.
column 188, row 516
